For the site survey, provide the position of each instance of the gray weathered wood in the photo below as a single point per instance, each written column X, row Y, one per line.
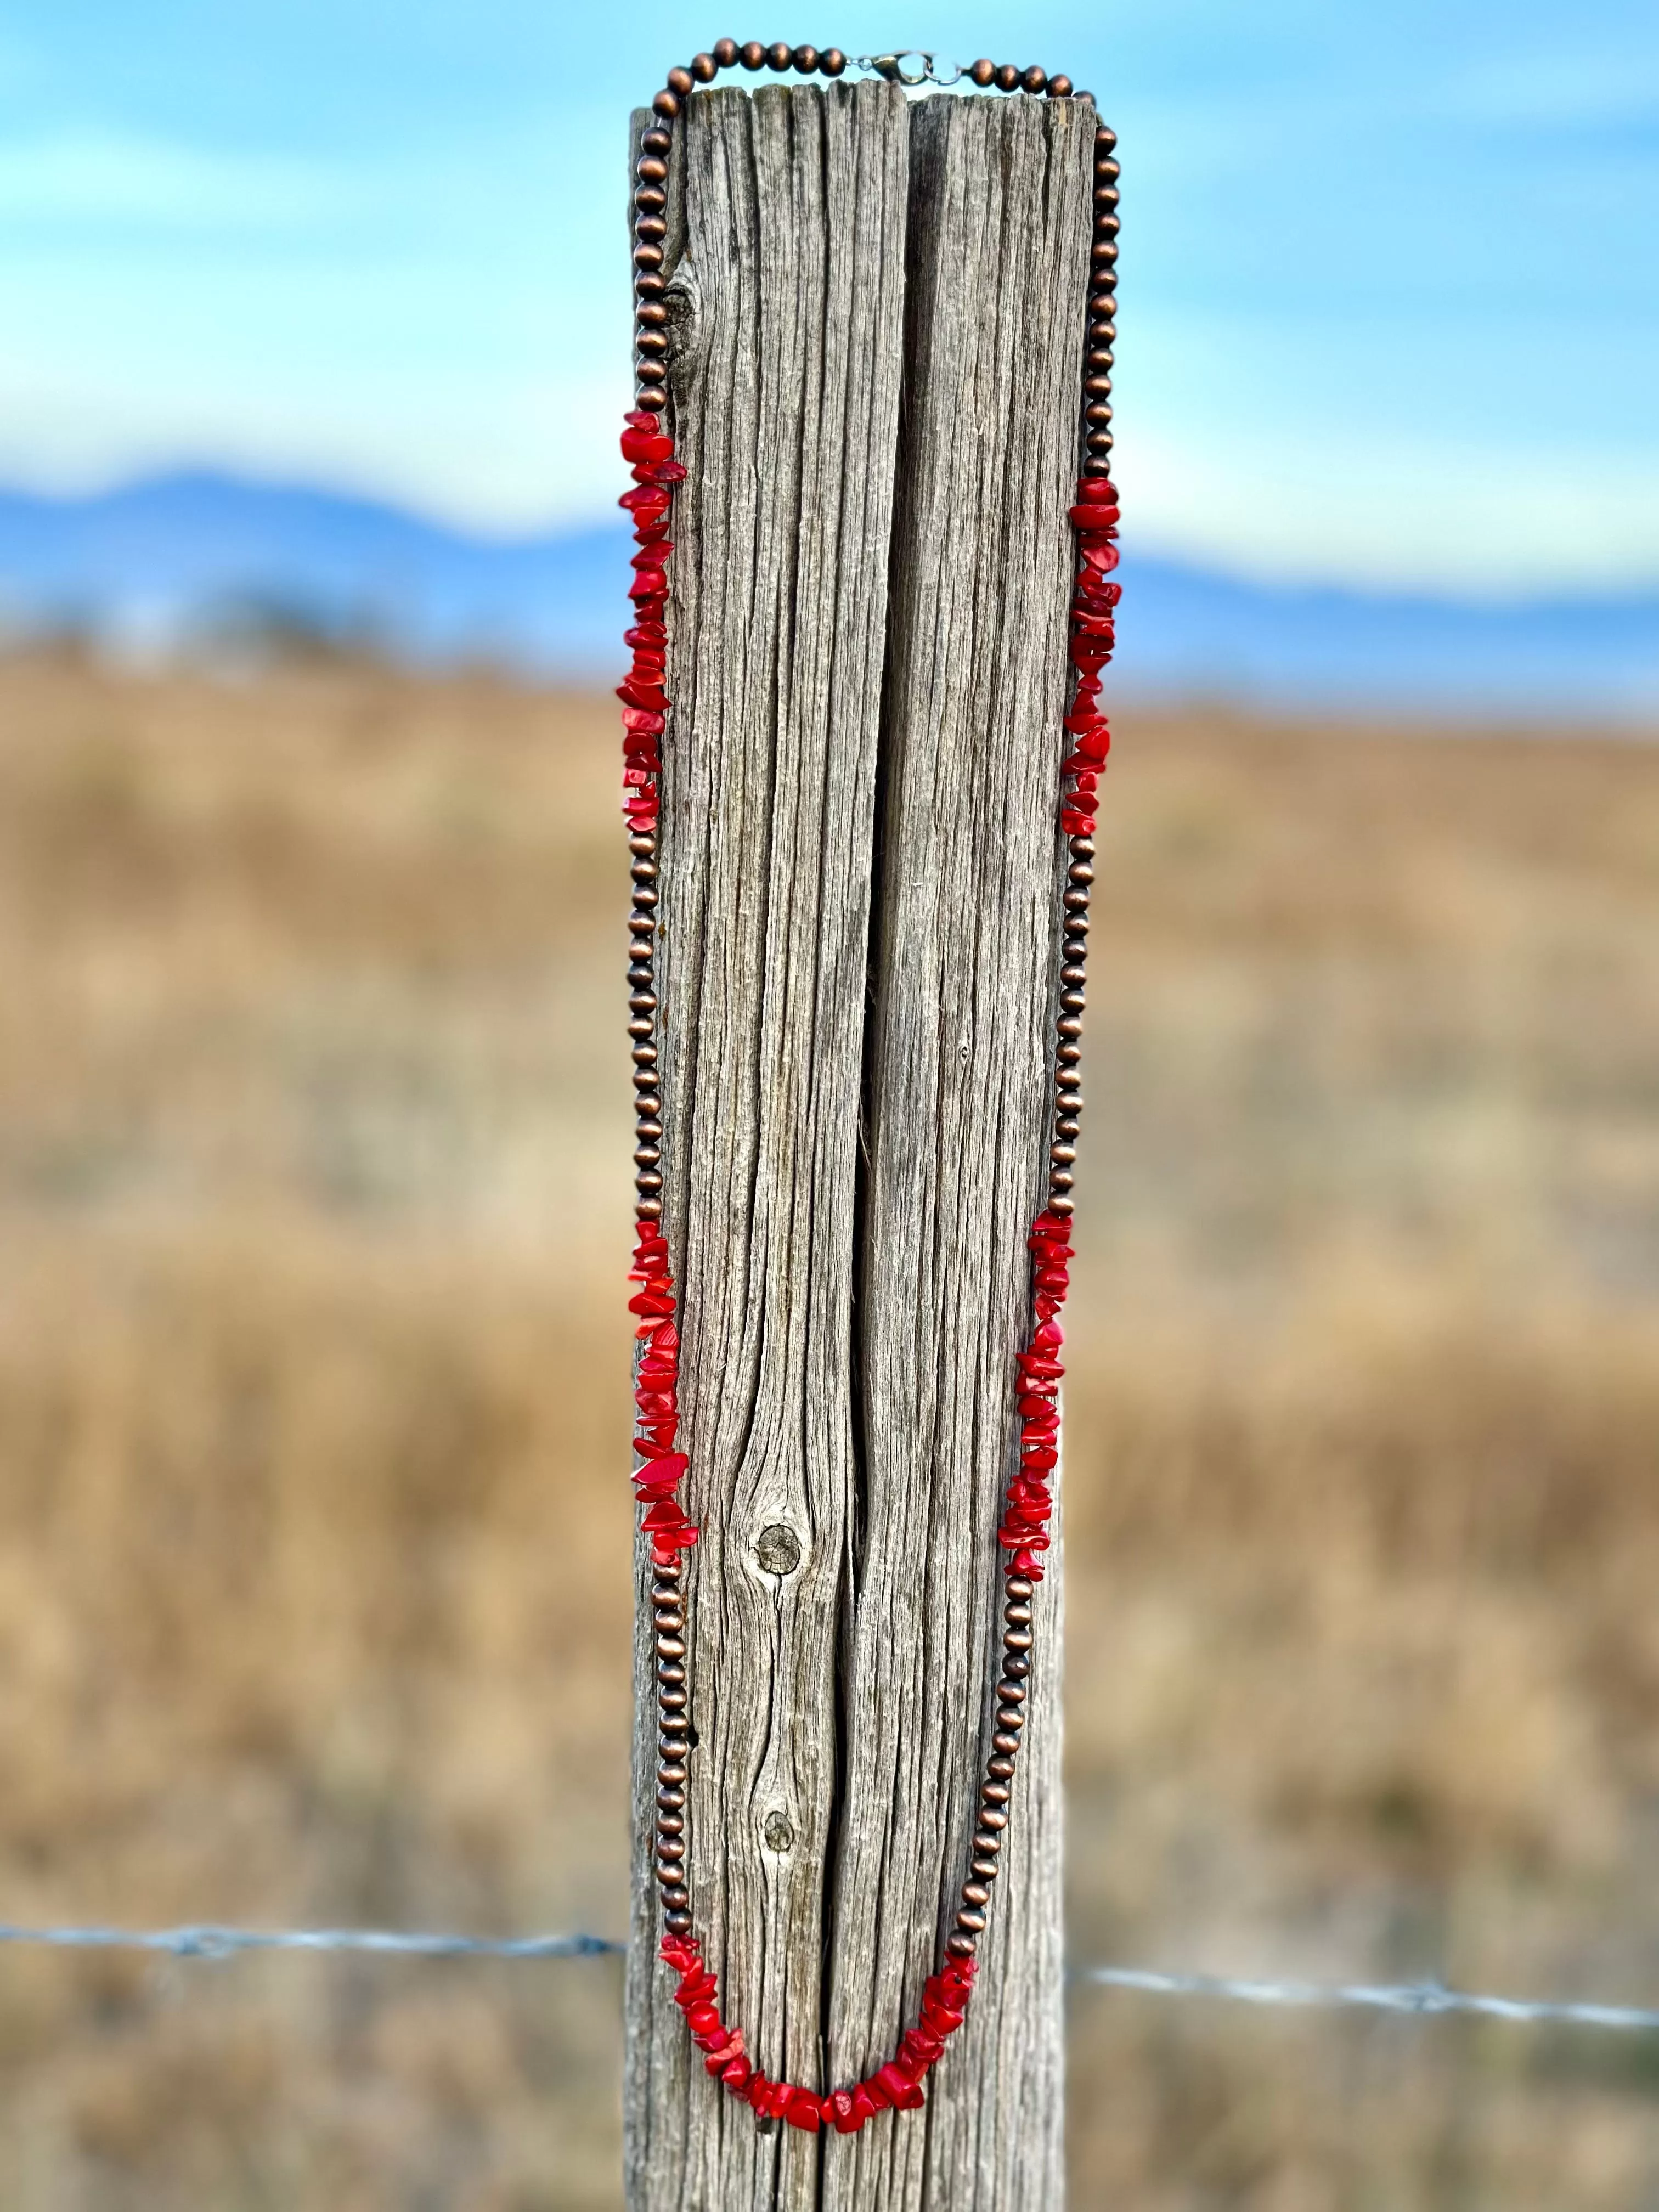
column 859, row 930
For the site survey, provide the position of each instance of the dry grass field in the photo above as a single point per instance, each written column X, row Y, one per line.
column 314, row 1580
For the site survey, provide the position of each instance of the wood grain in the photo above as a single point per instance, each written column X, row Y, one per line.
column 859, row 933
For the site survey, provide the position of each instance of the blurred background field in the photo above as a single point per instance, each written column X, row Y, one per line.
column 313, row 1157
column 313, row 1533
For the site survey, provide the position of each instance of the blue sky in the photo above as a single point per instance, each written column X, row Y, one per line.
column 1390, row 307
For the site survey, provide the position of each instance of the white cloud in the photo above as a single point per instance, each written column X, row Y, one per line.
column 1490, row 524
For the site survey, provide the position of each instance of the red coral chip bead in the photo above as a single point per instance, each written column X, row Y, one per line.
column 642, row 447
column 918, row 2052
column 649, row 584
column 864, row 2106
column 1096, row 492
column 736, row 2075
column 804, row 2110
column 841, row 2110
column 1091, row 517
column 906, row 2095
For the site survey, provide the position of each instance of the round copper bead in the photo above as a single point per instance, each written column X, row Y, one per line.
column 679, row 81
column 656, row 140
column 1006, row 1741
column 650, row 229
column 752, row 55
column 649, row 1209
column 1001, row 1766
column 651, row 169
column 1007, row 77
column 666, row 104
column 726, row 52
column 1060, row 88
column 976, row 1893
column 832, row 61
column 779, row 57
column 652, row 372
column 959, row 1943
column 995, row 1793
column 971, row 1919
column 983, row 72
column 1105, row 138
column 805, row 60
column 1034, row 80
column 704, row 68
column 647, row 257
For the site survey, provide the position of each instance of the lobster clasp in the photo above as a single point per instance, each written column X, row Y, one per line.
column 892, row 67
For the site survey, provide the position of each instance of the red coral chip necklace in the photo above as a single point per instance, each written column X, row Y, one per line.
column 1023, row 1535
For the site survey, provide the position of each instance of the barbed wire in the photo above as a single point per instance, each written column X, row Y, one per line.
column 1419, row 1997
column 207, row 1940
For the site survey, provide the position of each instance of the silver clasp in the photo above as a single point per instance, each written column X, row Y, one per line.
column 891, row 66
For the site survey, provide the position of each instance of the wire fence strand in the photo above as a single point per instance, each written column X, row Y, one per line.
column 207, row 1941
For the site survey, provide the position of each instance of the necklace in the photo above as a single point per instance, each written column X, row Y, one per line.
column 1023, row 1535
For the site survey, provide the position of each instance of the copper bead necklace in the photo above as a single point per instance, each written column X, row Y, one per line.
column 1022, row 1537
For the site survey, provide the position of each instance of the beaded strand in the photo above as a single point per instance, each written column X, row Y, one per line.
column 1023, row 1535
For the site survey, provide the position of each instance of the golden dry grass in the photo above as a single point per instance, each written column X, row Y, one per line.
column 313, row 1579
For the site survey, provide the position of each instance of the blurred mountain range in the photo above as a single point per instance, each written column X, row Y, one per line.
column 204, row 562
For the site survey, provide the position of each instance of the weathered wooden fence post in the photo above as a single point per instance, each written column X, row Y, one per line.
column 878, row 312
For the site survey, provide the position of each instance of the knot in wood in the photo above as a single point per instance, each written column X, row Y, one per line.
column 779, row 1832
column 778, row 1550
